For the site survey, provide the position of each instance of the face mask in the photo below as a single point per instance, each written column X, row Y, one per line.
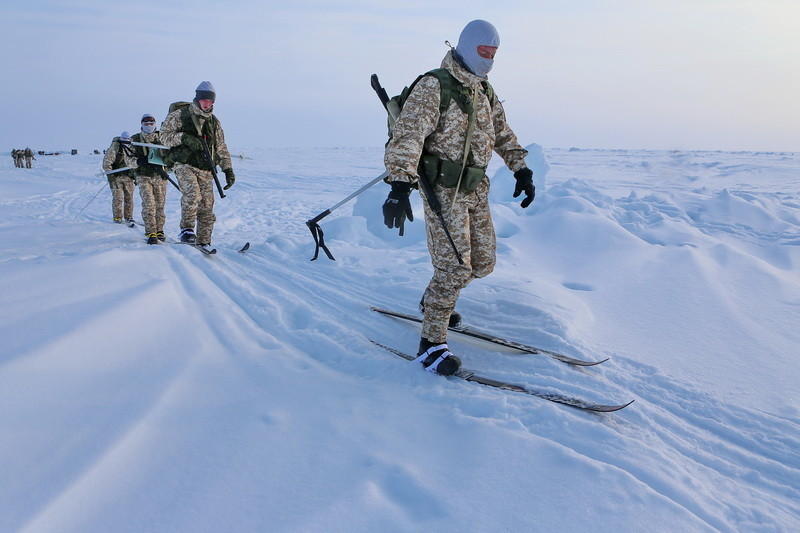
column 477, row 33
column 148, row 128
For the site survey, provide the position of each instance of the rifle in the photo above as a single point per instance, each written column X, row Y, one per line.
column 430, row 194
column 210, row 162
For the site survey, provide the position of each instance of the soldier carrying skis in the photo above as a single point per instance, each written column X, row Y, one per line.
column 197, row 145
column 152, row 181
column 451, row 146
column 122, row 183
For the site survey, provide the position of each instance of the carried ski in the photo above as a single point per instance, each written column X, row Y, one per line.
column 115, row 171
column 477, row 334
column 150, row 145
column 468, row 375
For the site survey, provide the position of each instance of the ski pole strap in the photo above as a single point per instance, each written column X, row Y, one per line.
column 319, row 235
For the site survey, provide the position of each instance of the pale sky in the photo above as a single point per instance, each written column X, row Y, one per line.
column 703, row 74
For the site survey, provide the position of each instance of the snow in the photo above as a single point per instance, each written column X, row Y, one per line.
column 152, row 388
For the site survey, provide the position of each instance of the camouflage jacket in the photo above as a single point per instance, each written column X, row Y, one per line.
column 117, row 157
column 182, row 122
column 421, row 128
column 141, row 151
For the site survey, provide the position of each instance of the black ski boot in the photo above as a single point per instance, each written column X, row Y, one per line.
column 160, row 236
column 437, row 358
column 187, row 235
column 152, row 238
column 455, row 316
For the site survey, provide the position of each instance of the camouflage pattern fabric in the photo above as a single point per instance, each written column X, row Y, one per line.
column 153, row 191
column 28, row 157
column 197, row 200
column 172, row 133
column 197, row 186
column 470, row 225
column 142, row 151
column 422, row 128
column 121, row 196
column 117, row 156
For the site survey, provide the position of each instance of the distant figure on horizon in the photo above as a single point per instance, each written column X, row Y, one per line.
column 450, row 123
column 188, row 130
column 122, row 183
column 29, row 158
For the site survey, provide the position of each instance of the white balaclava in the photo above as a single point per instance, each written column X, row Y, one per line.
column 477, row 33
column 149, row 128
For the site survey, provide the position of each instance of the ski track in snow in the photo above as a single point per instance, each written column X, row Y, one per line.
column 679, row 451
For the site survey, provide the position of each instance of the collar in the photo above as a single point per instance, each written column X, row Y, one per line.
column 460, row 72
column 195, row 108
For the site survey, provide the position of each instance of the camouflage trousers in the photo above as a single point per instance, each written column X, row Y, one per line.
column 153, row 190
column 121, row 196
column 470, row 225
column 28, row 162
column 197, row 200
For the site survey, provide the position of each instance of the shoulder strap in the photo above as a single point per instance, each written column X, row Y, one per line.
column 139, row 138
column 489, row 91
column 450, row 88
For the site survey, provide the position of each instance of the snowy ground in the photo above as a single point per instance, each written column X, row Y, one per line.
column 151, row 388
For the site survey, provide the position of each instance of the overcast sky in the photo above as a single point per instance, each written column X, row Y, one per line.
column 672, row 74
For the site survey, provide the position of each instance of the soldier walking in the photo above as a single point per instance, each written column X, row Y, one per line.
column 122, row 183
column 184, row 130
column 452, row 146
column 152, row 181
column 28, row 157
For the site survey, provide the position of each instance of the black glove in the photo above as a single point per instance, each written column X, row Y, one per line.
column 229, row 179
column 141, row 161
column 192, row 142
column 397, row 206
column 525, row 183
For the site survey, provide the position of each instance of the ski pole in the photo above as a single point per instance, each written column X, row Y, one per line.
column 430, row 194
column 316, row 230
column 90, row 201
column 173, row 183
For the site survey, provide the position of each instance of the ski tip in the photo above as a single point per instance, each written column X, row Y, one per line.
column 611, row 408
column 245, row 247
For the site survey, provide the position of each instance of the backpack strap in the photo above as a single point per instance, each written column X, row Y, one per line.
column 489, row 92
column 212, row 126
column 139, row 138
